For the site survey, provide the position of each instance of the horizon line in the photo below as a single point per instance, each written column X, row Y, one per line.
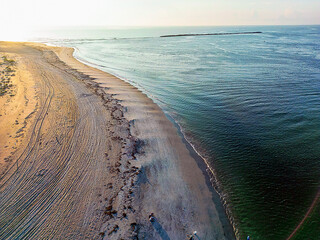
column 160, row 26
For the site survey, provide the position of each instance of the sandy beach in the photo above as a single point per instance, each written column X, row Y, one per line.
column 85, row 155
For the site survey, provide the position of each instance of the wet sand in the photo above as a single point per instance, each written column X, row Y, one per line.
column 97, row 158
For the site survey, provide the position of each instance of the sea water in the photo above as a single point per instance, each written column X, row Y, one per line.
column 250, row 104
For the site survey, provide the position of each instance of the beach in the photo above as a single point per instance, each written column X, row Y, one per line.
column 96, row 157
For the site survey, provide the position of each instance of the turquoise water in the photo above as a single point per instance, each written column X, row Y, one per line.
column 250, row 104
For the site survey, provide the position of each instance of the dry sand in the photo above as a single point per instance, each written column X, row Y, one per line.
column 96, row 159
column 17, row 110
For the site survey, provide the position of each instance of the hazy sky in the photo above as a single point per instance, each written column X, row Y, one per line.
column 18, row 13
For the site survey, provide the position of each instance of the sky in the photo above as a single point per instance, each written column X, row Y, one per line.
column 21, row 14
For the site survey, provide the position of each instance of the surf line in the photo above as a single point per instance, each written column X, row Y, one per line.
column 208, row 34
column 305, row 216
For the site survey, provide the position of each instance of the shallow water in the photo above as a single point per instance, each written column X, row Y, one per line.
column 249, row 103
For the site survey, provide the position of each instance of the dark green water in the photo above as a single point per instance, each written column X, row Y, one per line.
column 249, row 103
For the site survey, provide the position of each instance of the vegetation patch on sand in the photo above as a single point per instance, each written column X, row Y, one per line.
column 7, row 70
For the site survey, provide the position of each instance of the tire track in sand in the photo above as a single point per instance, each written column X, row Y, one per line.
column 52, row 194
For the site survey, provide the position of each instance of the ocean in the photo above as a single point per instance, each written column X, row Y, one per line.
column 249, row 104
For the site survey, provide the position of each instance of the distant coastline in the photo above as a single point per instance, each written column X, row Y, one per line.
column 208, row 34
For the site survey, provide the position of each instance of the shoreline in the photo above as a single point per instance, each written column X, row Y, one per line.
column 211, row 179
column 209, row 173
column 157, row 170
column 200, row 160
